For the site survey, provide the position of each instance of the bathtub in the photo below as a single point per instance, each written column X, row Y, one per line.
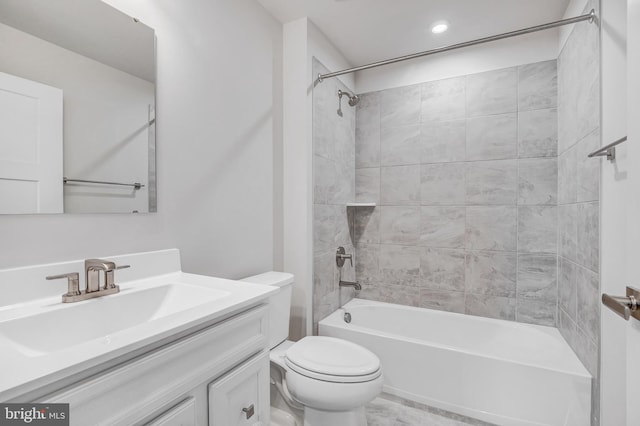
column 498, row 371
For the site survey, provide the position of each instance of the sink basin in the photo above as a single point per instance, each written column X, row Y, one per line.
column 67, row 325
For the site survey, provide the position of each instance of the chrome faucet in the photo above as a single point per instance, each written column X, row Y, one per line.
column 93, row 269
column 356, row 286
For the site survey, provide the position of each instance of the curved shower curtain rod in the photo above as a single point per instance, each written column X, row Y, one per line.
column 591, row 17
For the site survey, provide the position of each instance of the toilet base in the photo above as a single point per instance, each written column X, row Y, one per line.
column 355, row 417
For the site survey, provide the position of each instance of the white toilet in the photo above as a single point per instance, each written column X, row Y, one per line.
column 332, row 379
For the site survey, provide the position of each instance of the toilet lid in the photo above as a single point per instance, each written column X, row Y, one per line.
column 337, row 359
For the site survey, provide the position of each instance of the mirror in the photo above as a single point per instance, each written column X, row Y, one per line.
column 77, row 109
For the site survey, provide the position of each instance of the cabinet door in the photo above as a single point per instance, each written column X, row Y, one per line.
column 183, row 414
column 241, row 397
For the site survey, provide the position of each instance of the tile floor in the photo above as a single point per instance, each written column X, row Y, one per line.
column 389, row 411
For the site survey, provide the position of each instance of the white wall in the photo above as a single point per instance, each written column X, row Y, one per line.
column 511, row 52
column 105, row 120
column 218, row 63
column 615, row 192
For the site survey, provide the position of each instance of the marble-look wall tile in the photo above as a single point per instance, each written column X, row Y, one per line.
column 578, row 133
column 324, row 226
column 538, row 181
column 491, row 306
column 444, row 141
column 400, row 185
column 367, row 146
column 538, row 133
column 367, row 226
column 588, row 170
column 323, row 266
column 400, row 294
column 444, row 99
column 537, row 278
column 400, row 106
column 368, row 185
column 567, row 288
column 533, row 311
column 442, row 227
column 492, row 137
column 400, row 145
column 537, row 85
column 442, row 269
column 399, row 265
column 478, row 157
column 442, row 184
column 587, row 351
column 491, row 182
column 492, row 92
column 567, row 177
column 567, row 327
column 491, row 228
column 588, row 296
column 537, row 229
column 399, row 225
column 588, row 247
column 324, row 179
column 451, row 301
column 491, row 273
column 343, row 189
column 568, row 231
column 367, row 263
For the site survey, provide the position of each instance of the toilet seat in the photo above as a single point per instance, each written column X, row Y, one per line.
column 332, row 360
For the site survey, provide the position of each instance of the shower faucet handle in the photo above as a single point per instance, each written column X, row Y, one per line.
column 341, row 256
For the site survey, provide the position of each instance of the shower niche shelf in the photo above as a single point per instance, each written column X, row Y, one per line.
column 361, row 204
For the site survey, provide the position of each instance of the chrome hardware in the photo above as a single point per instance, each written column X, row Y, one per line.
column 135, row 185
column 626, row 307
column 347, row 317
column 73, row 284
column 341, row 256
column 249, row 411
column 591, row 17
column 356, row 286
column 93, row 268
column 608, row 150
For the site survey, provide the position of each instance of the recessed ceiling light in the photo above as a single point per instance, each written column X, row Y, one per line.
column 439, row 27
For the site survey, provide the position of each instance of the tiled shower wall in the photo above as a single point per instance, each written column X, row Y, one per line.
column 578, row 197
column 333, row 188
column 464, row 172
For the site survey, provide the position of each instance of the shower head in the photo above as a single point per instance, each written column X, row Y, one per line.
column 353, row 100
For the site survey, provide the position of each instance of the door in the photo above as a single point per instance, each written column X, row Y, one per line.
column 633, row 218
column 30, row 147
column 620, row 347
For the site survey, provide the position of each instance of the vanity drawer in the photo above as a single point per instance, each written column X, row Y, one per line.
column 241, row 397
column 131, row 392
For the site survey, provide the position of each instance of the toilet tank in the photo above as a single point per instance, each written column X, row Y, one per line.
column 279, row 304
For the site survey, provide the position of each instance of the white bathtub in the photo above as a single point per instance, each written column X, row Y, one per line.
column 498, row 371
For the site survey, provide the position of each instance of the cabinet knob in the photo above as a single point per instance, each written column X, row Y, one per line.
column 249, row 411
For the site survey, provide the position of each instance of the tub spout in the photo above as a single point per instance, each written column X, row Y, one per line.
column 356, row 286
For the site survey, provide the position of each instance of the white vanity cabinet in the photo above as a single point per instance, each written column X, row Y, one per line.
column 206, row 377
column 240, row 398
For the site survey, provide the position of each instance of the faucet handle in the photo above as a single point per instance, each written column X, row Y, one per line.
column 73, row 283
column 109, row 280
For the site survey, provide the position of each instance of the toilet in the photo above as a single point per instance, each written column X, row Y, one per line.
column 330, row 379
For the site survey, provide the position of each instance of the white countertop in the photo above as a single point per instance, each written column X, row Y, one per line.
column 24, row 370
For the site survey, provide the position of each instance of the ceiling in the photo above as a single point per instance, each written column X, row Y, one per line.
column 371, row 30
